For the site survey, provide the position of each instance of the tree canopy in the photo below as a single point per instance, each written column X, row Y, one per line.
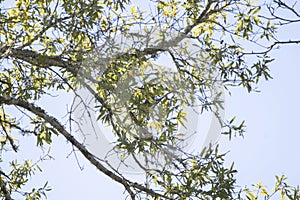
column 107, row 55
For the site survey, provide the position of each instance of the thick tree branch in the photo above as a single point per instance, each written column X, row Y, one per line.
column 61, row 129
column 4, row 190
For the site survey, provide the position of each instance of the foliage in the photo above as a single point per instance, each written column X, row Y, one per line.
column 62, row 46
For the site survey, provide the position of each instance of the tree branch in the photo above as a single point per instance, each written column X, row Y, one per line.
column 272, row 47
column 4, row 189
column 60, row 128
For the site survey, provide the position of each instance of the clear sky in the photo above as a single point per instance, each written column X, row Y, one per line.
column 270, row 146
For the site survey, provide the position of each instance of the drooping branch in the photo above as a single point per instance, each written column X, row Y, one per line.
column 61, row 129
column 3, row 188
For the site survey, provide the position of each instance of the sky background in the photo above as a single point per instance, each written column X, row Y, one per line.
column 270, row 146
